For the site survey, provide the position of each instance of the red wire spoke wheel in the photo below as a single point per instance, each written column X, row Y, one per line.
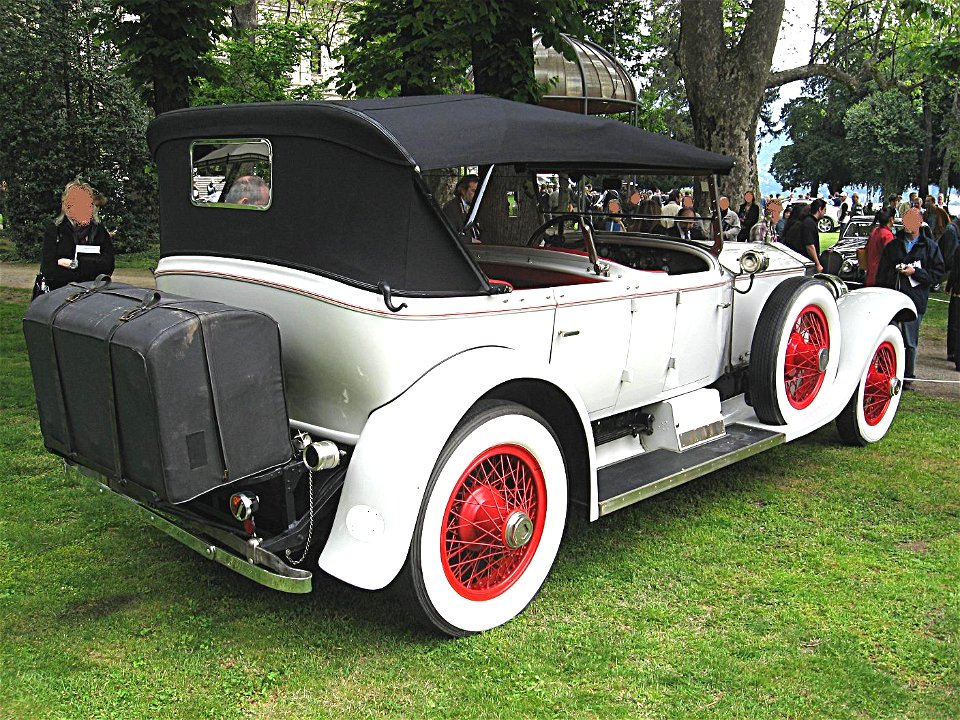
column 876, row 392
column 491, row 521
column 867, row 416
column 795, row 351
column 807, row 355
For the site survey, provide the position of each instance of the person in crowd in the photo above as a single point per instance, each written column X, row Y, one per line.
column 76, row 246
column 893, row 205
column 906, row 204
column 749, row 214
column 669, row 211
column 687, row 227
column 729, row 220
column 912, row 264
column 543, row 197
column 631, row 208
column 880, row 236
column 868, row 208
column 457, row 211
column 248, row 190
column 781, row 224
column 935, row 216
column 613, row 219
column 843, row 216
column 953, row 311
column 941, row 201
column 856, row 207
column 950, row 251
column 647, row 214
column 764, row 231
column 802, row 235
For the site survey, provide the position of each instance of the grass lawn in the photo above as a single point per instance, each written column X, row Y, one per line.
column 813, row 581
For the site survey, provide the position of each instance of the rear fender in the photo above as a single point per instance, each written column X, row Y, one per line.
column 395, row 456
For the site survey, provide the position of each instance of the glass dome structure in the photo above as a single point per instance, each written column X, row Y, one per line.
column 593, row 84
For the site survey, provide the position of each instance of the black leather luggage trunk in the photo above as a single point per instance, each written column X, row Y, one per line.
column 175, row 395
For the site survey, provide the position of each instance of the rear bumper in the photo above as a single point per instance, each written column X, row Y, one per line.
column 243, row 557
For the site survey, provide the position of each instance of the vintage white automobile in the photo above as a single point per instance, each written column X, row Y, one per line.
column 454, row 402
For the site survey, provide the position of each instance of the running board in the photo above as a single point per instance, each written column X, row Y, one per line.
column 640, row 477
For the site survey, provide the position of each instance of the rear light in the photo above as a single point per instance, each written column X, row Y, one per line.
column 243, row 505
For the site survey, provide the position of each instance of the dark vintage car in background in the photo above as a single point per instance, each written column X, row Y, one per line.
column 841, row 258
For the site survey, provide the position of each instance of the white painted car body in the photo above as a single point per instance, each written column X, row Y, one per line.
column 394, row 385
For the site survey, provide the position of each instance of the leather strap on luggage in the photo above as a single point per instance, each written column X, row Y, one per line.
column 101, row 283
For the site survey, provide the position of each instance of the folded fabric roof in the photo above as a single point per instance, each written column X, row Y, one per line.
column 436, row 131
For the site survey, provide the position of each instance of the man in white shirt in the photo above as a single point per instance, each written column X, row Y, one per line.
column 669, row 211
column 729, row 220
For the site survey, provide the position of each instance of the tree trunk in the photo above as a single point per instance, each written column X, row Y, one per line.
column 244, row 15
column 945, row 176
column 927, row 154
column 168, row 96
column 508, row 213
column 725, row 86
column 497, row 63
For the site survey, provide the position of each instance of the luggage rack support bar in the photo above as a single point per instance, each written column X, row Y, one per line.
column 287, row 579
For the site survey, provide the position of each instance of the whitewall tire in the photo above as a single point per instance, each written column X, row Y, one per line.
column 491, row 521
column 872, row 407
column 795, row 351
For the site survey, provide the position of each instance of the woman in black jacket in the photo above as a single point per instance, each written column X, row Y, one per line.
column 76, row 247
column 912, row 264
column 749, row 214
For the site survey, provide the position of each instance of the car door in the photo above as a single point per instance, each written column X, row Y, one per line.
column 590, row 340
column 700, row 331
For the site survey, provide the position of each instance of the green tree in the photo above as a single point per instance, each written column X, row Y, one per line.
column 412, row 47
column 254, row 66
column 819, row 149
column 884, row 129
column 65, row 112
column 166, row 45
column 908, row 47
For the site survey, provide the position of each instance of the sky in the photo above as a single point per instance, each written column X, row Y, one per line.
column 793, row 49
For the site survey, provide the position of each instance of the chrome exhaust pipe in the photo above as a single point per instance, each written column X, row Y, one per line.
column 321, row 455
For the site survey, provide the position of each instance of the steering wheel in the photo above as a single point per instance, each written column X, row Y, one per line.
column 585, row 231
column 563, row 221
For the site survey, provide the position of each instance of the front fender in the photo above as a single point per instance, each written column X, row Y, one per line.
column 864, row 313
column 395, row 456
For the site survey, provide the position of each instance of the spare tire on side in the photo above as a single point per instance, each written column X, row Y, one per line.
column 795, row 350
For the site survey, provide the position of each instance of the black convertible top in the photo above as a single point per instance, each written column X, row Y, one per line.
column 346, row 197
column 438, row 131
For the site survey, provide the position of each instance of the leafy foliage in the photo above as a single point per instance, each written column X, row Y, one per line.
column 166, row 45
column 410, row 47
column 404, row 47
column 645, row 36
column 907, row 48
column 66, row 112
column 254, row 67
column 819, row 151
column 884, row 129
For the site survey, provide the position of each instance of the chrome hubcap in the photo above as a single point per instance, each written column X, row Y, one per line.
column 518, row 530
column 823, row 359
